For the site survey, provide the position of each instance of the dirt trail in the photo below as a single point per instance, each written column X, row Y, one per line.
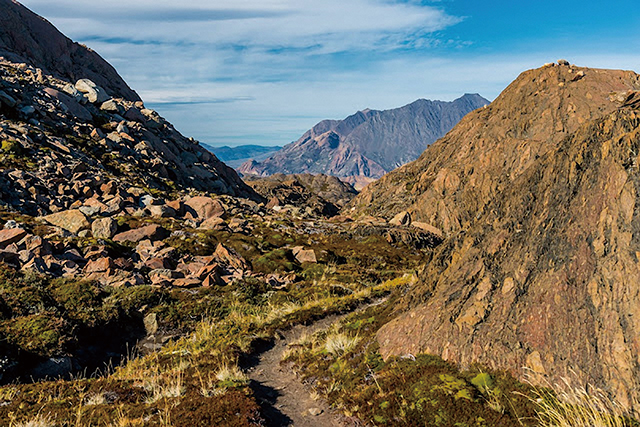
column 283, row 398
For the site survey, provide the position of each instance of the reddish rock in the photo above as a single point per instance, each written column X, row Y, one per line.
column 37, row 245
column 156, row 263
column 37, row 265
column 151, row 232
column 100, row 265
column 231, row 258
column 177, row 206
column 203, row 208
column 11, row 235
column 95, row 252
column 110, row 187
column 123, row 264
column 304, row 255
column 164, row 275
column 187, row 283
column 213, row 279
column 207, row 270
column 214, row 223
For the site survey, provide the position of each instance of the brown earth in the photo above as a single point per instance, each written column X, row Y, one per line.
column 537, row 194
column 284, row 399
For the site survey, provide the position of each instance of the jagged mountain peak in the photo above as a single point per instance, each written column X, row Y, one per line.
column 370, row 142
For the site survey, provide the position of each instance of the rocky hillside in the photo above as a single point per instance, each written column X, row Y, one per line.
column 28, row 38
column 537, row 194
column 369, row 143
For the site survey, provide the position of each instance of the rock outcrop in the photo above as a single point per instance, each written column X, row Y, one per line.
column 369, row 143
column 538, row 196
column 315, row 194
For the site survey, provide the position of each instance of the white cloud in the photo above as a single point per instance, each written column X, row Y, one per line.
column 329, row 25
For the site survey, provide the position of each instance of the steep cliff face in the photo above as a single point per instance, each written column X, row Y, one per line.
column 369, row 143
column 27, row 37
column 538, row 194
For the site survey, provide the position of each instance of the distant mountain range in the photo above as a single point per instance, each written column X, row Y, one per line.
column 236, row 156
column 369, row 143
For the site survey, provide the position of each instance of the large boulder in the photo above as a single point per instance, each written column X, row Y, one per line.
column 150, row 232
column 93, row 92
column 71, row 220
column 104, row 228
column 202, row 208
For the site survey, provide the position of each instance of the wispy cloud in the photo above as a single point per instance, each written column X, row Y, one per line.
column 330, row 25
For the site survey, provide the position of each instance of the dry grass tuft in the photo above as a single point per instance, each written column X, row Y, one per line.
column 340, row 343
column 38, row 421
column 168, row 384
column 231, row 374
column 569, row 405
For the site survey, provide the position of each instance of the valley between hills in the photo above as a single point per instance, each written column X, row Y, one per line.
column 490, row 280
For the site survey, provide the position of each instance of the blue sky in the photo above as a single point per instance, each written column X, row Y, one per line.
column 231, row 72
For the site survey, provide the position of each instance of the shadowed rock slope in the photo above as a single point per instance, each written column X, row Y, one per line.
column 63, row 139
column 538, row 196
column 369, row 143
column 27, row 37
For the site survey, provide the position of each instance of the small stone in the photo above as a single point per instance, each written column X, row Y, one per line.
column 403, row 218
column 7, row 100
column 563, row 62
column 110, row 106
column 151, row 232
column 151, row 323
column 162, row 211
column 315, row 411
column 104, row 228
column 212, row 224
column 99, row 265
column 11, row 235
column 89, row 210
column 304, row 255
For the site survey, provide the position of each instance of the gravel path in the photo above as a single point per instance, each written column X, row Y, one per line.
column 285, row 401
